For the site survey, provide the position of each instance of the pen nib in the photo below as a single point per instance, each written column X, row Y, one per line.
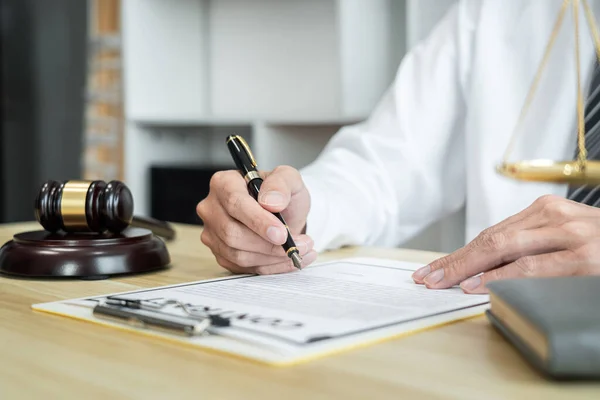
column 296, row 260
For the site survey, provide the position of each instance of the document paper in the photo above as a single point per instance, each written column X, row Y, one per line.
column 281, row 319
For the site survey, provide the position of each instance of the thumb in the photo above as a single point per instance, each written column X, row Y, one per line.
column 278, row 188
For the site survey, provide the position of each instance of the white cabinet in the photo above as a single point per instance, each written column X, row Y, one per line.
column 298, row 60
column 165, row 59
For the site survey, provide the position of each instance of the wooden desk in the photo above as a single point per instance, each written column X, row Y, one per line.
column 44, row 356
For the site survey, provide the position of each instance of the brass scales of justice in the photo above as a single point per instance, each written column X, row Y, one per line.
column 580, row 171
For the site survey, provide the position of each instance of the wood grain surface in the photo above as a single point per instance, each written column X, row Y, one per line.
column 50, row 357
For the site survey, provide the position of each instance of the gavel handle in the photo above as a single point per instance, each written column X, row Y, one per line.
column 159, row 228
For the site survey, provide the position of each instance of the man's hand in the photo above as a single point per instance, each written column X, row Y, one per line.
column 243, row 234
column 552, row 237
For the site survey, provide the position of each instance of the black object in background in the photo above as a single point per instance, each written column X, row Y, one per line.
column 43, row 67
column 175, row 191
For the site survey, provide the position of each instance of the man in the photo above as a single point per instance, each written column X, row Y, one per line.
column 433, row 143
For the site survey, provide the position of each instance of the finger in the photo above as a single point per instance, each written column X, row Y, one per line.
column 240, row 237
column 542, row 211
column 419, row 275
column 495, row 249
column 278, row 268
column 247, row 259
column 256, row 244
column 514, row 221
column 552, row 211
column 286, row 266
column 279, row 187
column 524, row 218
column 234, row 198
column 546, row 210
column 560, row 263
column 231, row 267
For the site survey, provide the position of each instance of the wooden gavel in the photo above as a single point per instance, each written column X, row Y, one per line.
column 91, row 206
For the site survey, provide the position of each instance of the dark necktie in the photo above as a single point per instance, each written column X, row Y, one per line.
column 590, row 195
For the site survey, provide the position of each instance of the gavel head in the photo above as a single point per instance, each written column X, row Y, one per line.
column 84, row 206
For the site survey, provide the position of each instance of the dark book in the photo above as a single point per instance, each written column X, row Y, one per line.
column 553, row 322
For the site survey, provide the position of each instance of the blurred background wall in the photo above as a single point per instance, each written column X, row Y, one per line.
column 146, row 91
column 43, row 70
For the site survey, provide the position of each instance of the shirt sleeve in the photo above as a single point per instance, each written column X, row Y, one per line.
column 381, row 181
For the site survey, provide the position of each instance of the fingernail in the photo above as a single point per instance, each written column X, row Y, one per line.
column 272, row 199
column 302, row 247
column 309, row 258
column 276, row 235
column 471, row 283
column 421, row 273
column 435, row 277
column 310, row 244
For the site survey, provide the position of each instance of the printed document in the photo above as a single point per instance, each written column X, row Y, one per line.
column 328, row 307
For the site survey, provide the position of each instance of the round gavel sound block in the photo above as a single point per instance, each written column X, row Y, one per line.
column 90, row 232
column 83, row 255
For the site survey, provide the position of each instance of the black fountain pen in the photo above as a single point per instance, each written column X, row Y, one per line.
column 244, row 160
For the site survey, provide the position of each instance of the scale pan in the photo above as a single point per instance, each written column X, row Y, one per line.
column 553, row 171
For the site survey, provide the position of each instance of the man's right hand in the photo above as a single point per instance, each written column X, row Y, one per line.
column 243, row 234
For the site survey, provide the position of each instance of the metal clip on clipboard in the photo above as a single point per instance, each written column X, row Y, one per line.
column 148, row 316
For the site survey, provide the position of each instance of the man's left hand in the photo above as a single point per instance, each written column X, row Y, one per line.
column 552, row 237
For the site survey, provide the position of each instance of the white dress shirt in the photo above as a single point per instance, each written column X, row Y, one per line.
column 433, row 142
